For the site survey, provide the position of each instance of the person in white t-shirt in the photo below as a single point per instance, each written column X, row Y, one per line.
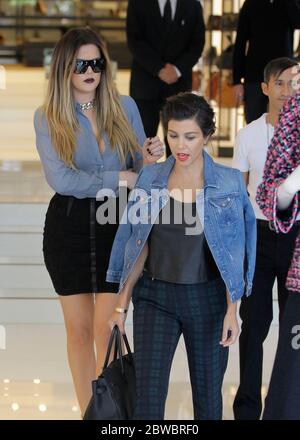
column 274, row 251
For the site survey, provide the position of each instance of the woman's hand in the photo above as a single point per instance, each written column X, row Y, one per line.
column 288, row 189
column 238, row 91
column 119, row 320
column 292, row 182
column 230, row 329
column 152, row 150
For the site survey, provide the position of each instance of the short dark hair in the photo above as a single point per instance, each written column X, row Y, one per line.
column 189, row 106
column 277, row 66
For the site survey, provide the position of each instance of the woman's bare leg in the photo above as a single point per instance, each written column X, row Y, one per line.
column 105, row 304
column 78, row 313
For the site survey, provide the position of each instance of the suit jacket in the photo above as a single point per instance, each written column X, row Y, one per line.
column 265, row 32
column 152, row 46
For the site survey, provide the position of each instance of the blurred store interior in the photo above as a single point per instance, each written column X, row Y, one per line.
column 35, row 382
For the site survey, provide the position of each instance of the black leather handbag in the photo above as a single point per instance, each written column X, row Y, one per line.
column 114, row 391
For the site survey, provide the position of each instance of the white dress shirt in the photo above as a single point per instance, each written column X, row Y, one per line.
column 162, row 4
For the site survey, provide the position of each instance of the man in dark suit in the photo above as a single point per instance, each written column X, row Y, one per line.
column 166, row 39
column 265, row 32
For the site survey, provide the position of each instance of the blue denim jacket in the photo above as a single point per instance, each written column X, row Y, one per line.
column 229, row 223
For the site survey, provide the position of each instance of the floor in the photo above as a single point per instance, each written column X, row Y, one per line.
column 35, row 382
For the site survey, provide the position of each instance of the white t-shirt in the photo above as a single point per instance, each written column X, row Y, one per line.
column 250, row 154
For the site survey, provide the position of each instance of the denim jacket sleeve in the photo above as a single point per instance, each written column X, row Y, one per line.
column 250, row 235
column 119, row 248
column 117, row 256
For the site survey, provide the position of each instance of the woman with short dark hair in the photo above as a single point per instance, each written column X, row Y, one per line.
column 190, row 232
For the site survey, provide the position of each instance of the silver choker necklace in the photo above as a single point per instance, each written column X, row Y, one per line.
column 87, row 105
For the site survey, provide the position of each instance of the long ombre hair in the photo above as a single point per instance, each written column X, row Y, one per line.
column 59, row 106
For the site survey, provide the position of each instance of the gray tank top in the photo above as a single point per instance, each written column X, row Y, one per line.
column 178, row 251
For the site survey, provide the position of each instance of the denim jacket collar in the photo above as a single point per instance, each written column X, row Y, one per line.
column 161, row 180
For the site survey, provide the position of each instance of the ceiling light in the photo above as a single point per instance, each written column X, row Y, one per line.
column 15, row 406
column 36, row 381
column 42, row 407
column 6, row 380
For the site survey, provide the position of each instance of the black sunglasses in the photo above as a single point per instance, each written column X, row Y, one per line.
column 97, row 65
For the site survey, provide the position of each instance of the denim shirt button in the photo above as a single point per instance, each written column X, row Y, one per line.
column 139, row 242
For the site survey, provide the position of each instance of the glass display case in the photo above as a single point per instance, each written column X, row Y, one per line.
column 221, row 23
column 27, row 27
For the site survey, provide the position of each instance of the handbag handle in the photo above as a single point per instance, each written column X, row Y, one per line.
column 109, row 347
column 127, row 347
column 119, row 349
column 115, row 337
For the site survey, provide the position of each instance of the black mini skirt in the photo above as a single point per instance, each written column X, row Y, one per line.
column 77, row 247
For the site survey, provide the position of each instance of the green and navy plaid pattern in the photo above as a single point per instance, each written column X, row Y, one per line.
column 162, row 312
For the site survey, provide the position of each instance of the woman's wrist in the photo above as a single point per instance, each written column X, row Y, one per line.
column 289, row 187
column 126, row 293
column 121, row 310
column 231, row 309
column 124, row 299
column 285, row 195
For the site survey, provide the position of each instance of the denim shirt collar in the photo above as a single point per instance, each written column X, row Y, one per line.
column 161, row 180
column 77, row 107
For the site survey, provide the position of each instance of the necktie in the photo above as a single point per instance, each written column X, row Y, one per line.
column 167, row 14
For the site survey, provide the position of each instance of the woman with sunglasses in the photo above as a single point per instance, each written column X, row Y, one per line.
column 88, row 139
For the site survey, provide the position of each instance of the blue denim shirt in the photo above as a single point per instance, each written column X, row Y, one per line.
column 229, row 223
column 95, row 170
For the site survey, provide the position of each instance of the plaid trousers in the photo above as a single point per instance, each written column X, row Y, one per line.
column 162, row 312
